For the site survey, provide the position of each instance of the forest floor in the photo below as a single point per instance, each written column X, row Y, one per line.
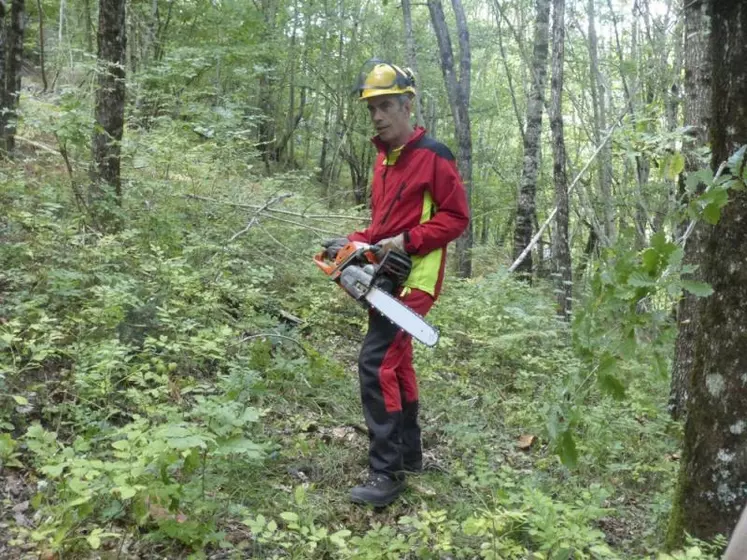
column 164, row 406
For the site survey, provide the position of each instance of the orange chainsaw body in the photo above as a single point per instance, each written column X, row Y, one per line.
column 353, row 252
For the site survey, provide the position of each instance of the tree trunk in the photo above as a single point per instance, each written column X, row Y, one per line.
column 561, row 252
column 458, row 90
column 132, row 53
column 88, row 25
column 266, row 96
column 532, row 136
column 41, row 44
column 60, row 25
column 643, row 166
column 431, row 116
column 713, row 477
column 110, row 103
column 411, row 57
column 284, row 146
column 150, row 52
column 3, row 74
column 323, row 165
column 697, row 114
column 509, row 79
column 11, row 90
column 600, row 126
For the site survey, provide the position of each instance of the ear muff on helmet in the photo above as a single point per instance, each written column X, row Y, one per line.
column 382, row 78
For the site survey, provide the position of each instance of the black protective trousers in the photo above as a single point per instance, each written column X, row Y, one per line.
column 389, row 392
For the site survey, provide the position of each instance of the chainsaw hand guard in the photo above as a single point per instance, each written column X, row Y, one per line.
column 395, row 266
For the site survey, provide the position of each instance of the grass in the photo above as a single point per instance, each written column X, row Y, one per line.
column 503, row 370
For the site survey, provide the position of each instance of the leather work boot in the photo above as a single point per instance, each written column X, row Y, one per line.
column 379, row 490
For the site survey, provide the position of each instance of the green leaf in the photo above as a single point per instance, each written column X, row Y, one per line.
column 650, row 259
column 700, row 289
column 126, row 492
column 299, row 495
column 241, row 446
column 641, row 280
column 289, row 516
column 53, row 471
column 607, row 363
column 675, row 259
column 675, row 166
column 339, row 537
column 79, row 501
column 567, row 450
column 553, row 423
column 23, row 401
column 94, row 540
column 712, row 214
column 612, row 386
column 7, row 338
column 250, row 415
column 736, row 160
column 662, row 246
column 697, row 181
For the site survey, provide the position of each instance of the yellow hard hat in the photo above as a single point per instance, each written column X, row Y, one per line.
column 384, row 79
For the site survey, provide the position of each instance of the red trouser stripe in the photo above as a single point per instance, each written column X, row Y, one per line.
column 396, row 373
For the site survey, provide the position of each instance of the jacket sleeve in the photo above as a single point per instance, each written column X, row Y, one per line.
column 363, row 236
column 452, row 214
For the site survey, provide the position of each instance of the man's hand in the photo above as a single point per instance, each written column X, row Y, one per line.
column 333, row 246
column 397, row 242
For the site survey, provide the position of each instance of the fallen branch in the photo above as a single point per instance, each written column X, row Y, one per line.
column 37, row 145
column 278, row 210
column 255, row 218
column 550, row 218
column 277, row 242
column 312, row 228
column 270, row 335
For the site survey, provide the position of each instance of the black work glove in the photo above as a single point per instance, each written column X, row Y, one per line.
column 333, row 246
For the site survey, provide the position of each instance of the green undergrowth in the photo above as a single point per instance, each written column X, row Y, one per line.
column 183, row 388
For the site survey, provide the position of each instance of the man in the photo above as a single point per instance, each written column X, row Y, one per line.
column 418, row 206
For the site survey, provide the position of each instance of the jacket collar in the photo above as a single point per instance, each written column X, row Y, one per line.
column 416, row 135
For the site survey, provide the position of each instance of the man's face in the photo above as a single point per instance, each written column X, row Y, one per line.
column 391, row 118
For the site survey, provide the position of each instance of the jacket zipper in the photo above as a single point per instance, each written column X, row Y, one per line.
column 391, row 205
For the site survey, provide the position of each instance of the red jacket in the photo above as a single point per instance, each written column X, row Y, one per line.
column 422, row 196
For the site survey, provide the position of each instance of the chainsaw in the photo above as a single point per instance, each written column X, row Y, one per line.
column 372, row 280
